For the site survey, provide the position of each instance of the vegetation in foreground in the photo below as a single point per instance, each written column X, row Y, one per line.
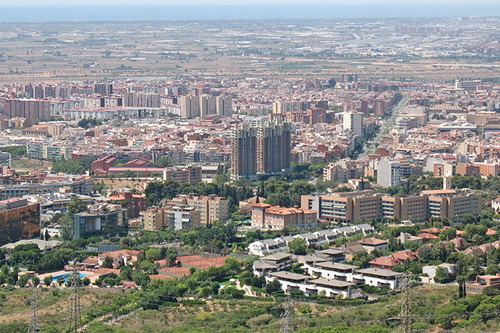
column 436, row 308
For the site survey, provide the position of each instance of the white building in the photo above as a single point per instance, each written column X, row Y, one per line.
column 388, row 173
column 353, row 122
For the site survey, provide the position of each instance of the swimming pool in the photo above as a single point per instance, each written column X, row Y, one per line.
column 67, row 276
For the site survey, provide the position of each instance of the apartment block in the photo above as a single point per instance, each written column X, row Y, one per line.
column 268, row 217
column 349, row 207
column 452, row 205
column 212, row 208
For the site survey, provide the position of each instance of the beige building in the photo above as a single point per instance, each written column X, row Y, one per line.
column 453, row 205
column 190, row 106
column 348, row 207
column 173, row 215
column 268, row 217
column 211, row 208
column 413, row 208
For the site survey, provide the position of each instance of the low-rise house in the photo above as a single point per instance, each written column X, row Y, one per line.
column 331, row 270
column 292, row 282
column 373, row 244
column 353, row 249
column 267, row 246
column 376, row 277
column 332, row 254
column 429, row 272
column 397, row 258
column 482, row 282
column 121, row 257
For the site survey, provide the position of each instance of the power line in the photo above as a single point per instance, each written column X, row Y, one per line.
column 75, row 320
column 34, row 324
column 406, row 304
column 287, row 325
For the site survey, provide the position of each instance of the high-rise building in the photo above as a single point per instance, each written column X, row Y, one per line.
column 190, row 107
column 207, row 105
column 273, row 148
column 389, row 173
column 379, row 107
column 103, row 88
column 224, row 106
column 244, row 153
column 34, row 109
column 353, row 122
column 262, row 149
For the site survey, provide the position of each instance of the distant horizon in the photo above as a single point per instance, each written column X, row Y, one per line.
column 126, row 13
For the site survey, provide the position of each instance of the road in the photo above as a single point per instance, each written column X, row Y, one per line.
column 386, row 126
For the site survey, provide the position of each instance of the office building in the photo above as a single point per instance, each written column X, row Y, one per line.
column 453, row 205
column 18, row 220
column 102, row 219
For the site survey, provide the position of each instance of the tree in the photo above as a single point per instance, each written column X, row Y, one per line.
column 126, row 273
column 47, row 280
column 447, row 234
column 35, row 281
column 107, row 262
column 441, row 275
column 66, row 227
column 23, row 280
column 163, row 162
column 298, row 246
column 140, row 278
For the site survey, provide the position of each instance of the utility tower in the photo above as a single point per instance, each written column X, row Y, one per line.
column 34, row 324
column 287, row 325
column 75, row 320
column 406, row 304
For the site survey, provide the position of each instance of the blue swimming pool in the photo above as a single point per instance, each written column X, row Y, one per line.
column 66, row 276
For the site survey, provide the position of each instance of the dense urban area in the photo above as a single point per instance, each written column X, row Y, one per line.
column 250, row 176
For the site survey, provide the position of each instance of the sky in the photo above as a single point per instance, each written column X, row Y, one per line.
column 175, row 10
column 38, row 3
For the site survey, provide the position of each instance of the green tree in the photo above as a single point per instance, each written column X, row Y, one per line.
column 441, row 275
column 107, row 262
column 47, row 280
column 298, row 246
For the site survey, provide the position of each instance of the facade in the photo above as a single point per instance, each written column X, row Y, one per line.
column 453, row 205
column 100, row 220
column 349, row 207
column 267, row 217
column 410, row 208
column 183, row 175
column 261, row 149
column 190, row 106
column 389, row 173
column 18, row 220
column 342, row 171
column 207, row 105
column 224, row 106
column 353, row 122
column 212, row 209
column 34, row 109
